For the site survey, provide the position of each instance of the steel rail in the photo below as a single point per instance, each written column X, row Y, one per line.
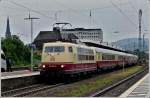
column 28, row 90
column 37, row 90
column 5, row 93
column 101, row 92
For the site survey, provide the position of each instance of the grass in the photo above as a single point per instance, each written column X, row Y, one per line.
column 82, row 88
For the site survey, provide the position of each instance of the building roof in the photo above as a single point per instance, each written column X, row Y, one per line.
column 47, row 35
column 71, row 36
column 81, row 29
column 51, row 36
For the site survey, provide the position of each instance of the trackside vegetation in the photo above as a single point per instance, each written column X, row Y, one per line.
column 15, row 49
column 85, row 87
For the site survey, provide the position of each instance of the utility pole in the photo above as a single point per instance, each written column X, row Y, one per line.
column 143, row 42
column 56, row 17
column 31, row 20
column 134, row 46
column 139, row 40
column 90, row 19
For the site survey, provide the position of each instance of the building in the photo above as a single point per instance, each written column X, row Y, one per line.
column 45, row 36
column 84, row 34
column 81, row 34
column 50, row 36
column 7, row 33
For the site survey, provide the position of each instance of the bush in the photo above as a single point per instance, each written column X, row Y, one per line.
column 15, row 49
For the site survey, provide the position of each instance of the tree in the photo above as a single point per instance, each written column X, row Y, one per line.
column 15, row 49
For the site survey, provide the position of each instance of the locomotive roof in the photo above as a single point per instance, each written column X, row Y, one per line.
column 66, row 43
column 58, row 43
column 97, row 49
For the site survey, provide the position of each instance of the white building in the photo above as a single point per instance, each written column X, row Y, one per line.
column 84, row 34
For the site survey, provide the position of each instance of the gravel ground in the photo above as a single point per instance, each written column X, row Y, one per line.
column 57, row 92
column 123, row 87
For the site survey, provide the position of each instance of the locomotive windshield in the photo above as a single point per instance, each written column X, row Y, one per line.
column 54, row 49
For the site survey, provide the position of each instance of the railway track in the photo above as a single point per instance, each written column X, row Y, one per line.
column 28, row 91
column 112, row 87
column 20, row 92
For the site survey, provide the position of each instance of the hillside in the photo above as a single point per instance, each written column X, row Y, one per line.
column 131, row 44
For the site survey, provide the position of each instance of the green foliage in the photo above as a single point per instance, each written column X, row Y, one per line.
column 15, row 49
column 36, row 59
column 143, row 54
column 83, row 88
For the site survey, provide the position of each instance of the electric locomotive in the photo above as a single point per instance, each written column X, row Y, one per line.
column 67, row 58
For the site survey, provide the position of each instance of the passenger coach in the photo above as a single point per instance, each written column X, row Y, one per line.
column 109, row 58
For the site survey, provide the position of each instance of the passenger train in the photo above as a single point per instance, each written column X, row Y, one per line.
column 61, row 58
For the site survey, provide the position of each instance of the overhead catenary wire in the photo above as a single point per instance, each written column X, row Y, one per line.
column 74, row 10
column 134, row 24
column 29, row 9
column 119, row 9
column 136, row 11
column 26, row 8
column 105, row 7
column 99, row 8
column 69, row 8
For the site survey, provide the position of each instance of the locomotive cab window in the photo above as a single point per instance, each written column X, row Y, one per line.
column 48, row 49
column 54, row 49
column 59, row 49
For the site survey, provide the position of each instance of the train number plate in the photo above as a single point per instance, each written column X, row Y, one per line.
column 52, row 59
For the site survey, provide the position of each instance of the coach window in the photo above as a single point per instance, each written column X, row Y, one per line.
column 70, row 49
column 86, row 57
column 91, row 57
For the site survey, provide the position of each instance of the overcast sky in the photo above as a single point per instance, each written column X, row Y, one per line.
column 109, row 15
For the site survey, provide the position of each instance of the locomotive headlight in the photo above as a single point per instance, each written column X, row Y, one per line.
column 43, row 66
column 62, row 66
